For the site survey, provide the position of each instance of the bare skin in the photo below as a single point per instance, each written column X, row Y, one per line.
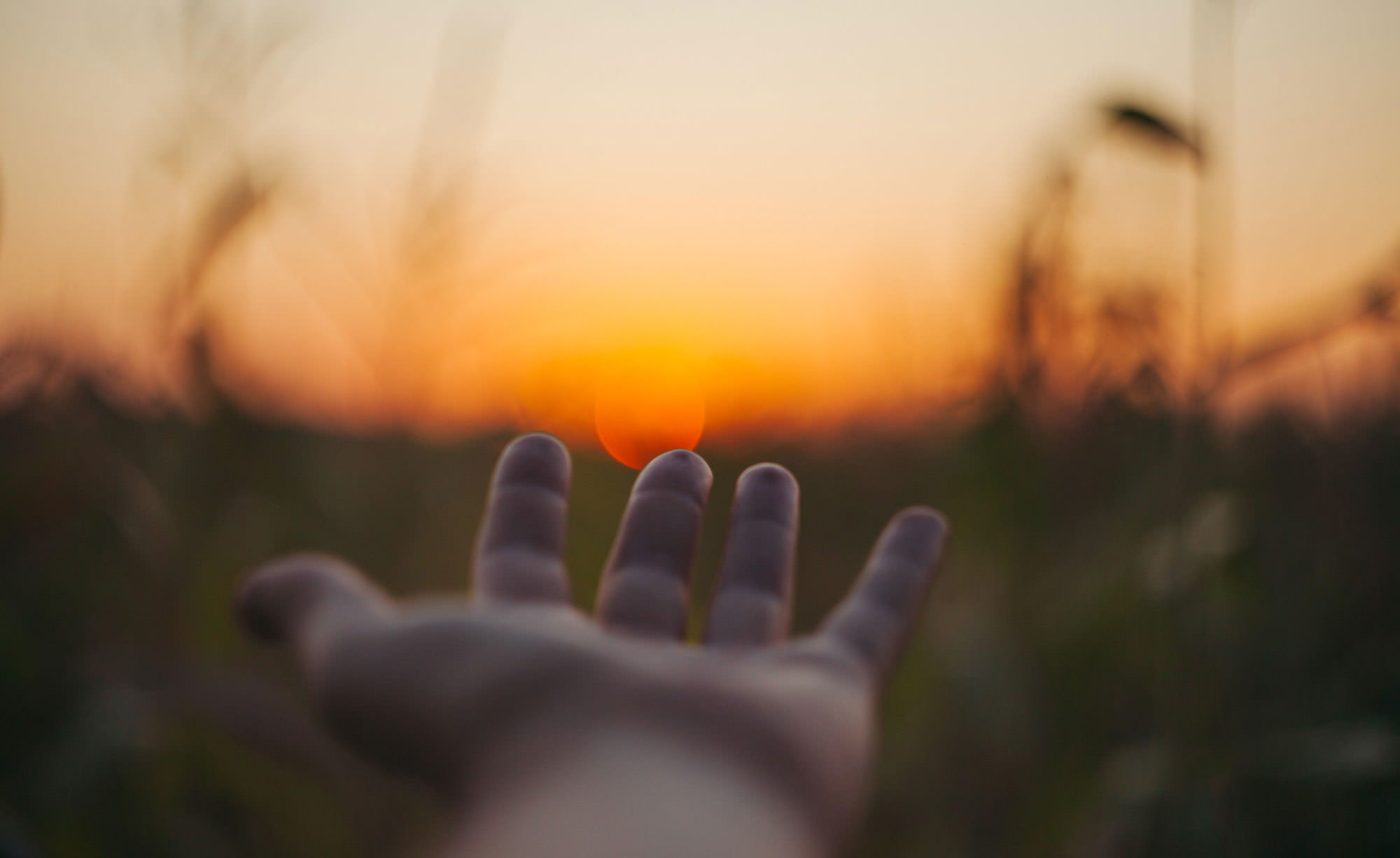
column 534, row 719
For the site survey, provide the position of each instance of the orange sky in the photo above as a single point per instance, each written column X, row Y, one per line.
column 804, row 207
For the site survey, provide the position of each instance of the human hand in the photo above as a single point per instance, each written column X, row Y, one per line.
column 470, row 696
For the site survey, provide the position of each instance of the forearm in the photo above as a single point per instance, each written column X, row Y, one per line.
column 637, row 795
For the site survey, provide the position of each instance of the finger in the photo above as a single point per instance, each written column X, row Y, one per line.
column 873, row 622
column 520, row 550
column 308, row 601
column 645, row 587
column 753, row 604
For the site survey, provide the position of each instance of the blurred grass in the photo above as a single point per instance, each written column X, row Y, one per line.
column 1104, row 670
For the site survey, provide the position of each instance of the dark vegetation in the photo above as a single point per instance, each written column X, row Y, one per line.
column 1120, row 659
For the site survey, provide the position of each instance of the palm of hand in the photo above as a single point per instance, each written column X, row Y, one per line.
column 464, row 696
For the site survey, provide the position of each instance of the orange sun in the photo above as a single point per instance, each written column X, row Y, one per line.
column 645, row 405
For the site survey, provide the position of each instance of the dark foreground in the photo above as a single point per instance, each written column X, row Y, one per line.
column 1148, row 641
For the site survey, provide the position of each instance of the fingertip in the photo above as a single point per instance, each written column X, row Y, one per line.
column 537, row 459
column 767, row 491
column 249, row 610
column 924, row 518
column 916, row 534
column 678, row 470
column 540, row 442
column 768, row 474
column 274, row 597
column 681, row 459
column 253, row 602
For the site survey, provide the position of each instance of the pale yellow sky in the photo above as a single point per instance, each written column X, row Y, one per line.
column 743, row 170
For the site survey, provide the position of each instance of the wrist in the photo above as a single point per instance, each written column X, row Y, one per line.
column 620, row 792
column 814, row 762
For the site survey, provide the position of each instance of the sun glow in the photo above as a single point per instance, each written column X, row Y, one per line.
column 647, row 402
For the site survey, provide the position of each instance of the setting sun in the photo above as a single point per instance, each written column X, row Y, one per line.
column 647, row 404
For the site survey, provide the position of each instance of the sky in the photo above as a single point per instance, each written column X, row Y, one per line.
column 801, row 208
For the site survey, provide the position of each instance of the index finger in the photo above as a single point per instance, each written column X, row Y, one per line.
column 520, row 550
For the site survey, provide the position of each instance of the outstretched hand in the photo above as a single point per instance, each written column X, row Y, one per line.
column 473, row 695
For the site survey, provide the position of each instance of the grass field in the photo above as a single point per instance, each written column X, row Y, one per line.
column 1131, row 651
